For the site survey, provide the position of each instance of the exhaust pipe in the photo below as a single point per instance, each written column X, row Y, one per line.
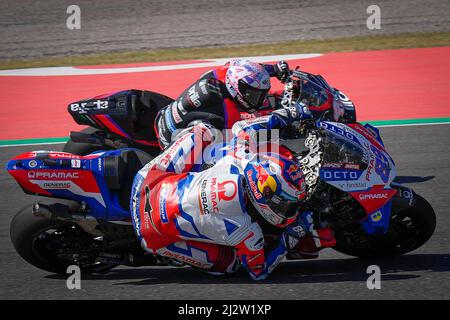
column 59, row 211
column 71, row 213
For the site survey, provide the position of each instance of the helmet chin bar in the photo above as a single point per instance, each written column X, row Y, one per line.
column 270, row 217
column 244, row 104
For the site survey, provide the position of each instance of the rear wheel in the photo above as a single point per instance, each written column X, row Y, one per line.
column 50, row 245
column 408, row 230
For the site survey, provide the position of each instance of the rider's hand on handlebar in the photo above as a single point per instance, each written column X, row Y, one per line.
column 281, row 70
column 295, row 112
column 299, row 111
column 302, row 226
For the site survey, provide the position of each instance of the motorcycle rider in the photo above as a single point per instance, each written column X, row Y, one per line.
column 223, row 96
column 208, row 219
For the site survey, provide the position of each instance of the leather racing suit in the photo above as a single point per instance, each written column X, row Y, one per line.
column 202, row 218
column 208, row 99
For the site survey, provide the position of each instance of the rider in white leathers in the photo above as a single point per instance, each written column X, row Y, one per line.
column 203, row 218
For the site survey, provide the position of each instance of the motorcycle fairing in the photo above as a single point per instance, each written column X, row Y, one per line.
column 128, row 114
column 353, row 161
column 375, row 132
column 373, row 199
column 65, row 175
column 370, row 133
column 378, row 221
column 108, row 122
column 356, row 162
column 377, row 204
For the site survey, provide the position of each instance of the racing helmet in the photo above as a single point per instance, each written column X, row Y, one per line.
column 275, row 185
column 248, row 83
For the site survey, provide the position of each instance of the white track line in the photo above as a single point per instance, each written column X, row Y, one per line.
column 73, row 71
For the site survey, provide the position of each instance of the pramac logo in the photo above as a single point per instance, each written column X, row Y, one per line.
column 226, row 190
column 212, row 192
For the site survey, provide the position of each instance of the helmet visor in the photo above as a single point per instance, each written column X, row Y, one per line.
column 254, row 97
column 283, row 207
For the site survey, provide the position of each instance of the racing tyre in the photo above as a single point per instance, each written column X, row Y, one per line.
column 40, row 242
column 408, row 230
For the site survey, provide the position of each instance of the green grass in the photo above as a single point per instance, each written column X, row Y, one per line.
column 409, row 40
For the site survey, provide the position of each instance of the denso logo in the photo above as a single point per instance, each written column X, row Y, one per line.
column 52, row 175
column 372, row 196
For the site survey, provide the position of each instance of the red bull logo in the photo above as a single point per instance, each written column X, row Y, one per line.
column 266, row 183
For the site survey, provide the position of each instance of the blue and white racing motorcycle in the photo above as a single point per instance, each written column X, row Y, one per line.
column 86, row 219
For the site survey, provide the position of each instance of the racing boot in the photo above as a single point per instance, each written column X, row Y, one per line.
column 308, row 247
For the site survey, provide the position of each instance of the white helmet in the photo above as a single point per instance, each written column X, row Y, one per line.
column 248, row 83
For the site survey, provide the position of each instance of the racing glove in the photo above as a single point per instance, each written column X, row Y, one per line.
column 281, row 70
column 291, row 114
column 298, row 229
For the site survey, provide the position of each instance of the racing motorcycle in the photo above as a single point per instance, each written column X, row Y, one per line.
column 348, row 173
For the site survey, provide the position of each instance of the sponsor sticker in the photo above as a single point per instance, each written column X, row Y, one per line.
column 63, row 155
column 75, row 163
column 84, row 107
column 181, row 108
column 194, row 97
column 52, row 175
column 336, row 175
column 57, row 185
column 135, row 207
column 376, row 216
column 162, row 205
column 176, row 116
column 202, row 85
column 32, row 163
column 357, row 185
column 372, row 196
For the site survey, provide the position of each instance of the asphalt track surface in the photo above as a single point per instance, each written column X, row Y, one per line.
column 422, row 155
column 30, row 28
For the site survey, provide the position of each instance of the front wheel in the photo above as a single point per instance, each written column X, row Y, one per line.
column 408, row 230
column 51, row 245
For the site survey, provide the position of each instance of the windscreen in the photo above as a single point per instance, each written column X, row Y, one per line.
column 343, row 153
column 312, row 95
